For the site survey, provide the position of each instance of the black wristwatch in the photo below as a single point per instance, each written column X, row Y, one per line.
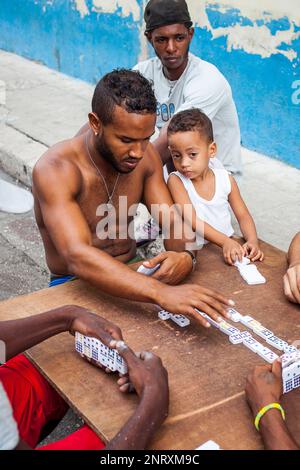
column 194, row 260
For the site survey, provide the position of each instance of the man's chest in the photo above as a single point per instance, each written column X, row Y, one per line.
column 169, row 96
column 116, row 204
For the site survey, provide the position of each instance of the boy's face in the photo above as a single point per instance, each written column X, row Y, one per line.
column 191, row 152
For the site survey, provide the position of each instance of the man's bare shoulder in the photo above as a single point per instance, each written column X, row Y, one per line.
column 153, row 162
column 59, row 168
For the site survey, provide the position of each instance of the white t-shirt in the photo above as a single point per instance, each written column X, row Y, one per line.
column 215, row 212
column 9, row 435
column 200, row 86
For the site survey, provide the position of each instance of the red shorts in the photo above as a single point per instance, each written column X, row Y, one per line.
column 35, row 403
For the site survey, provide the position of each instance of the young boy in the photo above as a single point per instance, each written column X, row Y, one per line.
column 210, row 191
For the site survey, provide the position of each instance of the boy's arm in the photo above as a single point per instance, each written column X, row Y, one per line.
column 232, row 250
column 245, row 221
column 181, row 198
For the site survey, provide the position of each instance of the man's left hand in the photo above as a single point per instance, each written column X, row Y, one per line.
column 91, row 324
column 174, row 267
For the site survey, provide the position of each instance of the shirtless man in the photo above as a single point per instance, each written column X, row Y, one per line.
column 113, row 159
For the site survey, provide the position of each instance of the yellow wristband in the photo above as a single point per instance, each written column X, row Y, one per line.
column 263, row 411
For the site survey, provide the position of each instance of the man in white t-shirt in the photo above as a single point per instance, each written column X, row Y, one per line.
column 183, row 81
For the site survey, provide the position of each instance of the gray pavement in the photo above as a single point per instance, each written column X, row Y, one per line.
column 23, row 268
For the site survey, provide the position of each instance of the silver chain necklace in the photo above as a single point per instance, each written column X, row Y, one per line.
column 109, row 195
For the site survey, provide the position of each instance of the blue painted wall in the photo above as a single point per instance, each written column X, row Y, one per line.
column 266, row 89
column 55, row 34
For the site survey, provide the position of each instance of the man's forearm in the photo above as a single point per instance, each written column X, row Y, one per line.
column 140, row 428
column 113, row 277
column 174, row 244
column 275, row 433
column 22, row 334
column 294, row 251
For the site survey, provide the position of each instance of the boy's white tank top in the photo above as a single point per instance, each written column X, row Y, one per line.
column 215, row 212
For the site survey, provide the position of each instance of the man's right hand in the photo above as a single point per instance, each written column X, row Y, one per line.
column 264, row 386
column 147, row 376
column 291, row 283
column 185, row 298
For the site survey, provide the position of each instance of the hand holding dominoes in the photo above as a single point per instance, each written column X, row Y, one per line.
column 86, row 322
column 173, row 266
column 264, row 386
column 93, row 348
column 148, row 271
column 138, row 371
column 145, row 369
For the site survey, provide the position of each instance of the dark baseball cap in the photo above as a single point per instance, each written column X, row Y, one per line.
column 164, row 12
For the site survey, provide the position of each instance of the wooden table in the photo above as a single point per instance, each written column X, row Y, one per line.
column 206, row 373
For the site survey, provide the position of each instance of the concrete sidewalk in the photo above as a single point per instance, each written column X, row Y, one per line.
column 43, row 107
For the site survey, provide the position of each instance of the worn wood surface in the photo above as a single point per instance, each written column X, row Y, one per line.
column 206, row 373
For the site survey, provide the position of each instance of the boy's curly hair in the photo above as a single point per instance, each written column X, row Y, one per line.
column 192, row 120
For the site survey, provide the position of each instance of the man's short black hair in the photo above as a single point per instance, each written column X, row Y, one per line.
column 126, row 88
column 192, row 120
